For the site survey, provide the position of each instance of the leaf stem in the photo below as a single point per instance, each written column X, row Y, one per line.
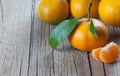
column 92, row 27
column 89, row 15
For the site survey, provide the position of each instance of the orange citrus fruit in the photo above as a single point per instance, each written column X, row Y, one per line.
column 107, row 54
column 109, row 11
column 53, row 11
column 79, row 8
column 82, row 39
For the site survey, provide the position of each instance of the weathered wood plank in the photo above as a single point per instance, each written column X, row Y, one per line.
column 101, row 69
column 97, row 67
column 79, row 61
column 15, row 25
column 24, row 48
column 64, row 61
column 113, row 69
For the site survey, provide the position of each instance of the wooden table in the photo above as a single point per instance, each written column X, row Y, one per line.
column 24, row 48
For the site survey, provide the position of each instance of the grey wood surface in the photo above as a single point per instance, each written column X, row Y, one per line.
column 24, row 48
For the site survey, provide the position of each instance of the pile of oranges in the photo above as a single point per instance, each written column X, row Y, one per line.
column 55, row 11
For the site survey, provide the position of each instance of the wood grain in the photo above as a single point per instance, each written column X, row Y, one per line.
column 15, row 26
column 63, row 61
column 113, row 69
column 25, row 51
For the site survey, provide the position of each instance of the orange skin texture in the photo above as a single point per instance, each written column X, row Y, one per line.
column 79, row 8
column 109, row 12
column 107, row 54
column 82, row 39
column 53, row 11
column 68, row 1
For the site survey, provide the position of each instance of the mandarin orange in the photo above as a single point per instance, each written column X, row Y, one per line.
column 82, row 39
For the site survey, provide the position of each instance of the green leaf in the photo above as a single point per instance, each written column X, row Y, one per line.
column 62, row 31
column 92, row 29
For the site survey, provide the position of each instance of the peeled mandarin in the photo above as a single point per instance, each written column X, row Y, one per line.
column 109, row 53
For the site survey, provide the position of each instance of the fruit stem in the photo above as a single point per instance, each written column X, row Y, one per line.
column 92, row 27
column 89, row 15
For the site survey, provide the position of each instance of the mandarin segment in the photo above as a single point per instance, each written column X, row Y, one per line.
column 107, row 54
column 96, row 53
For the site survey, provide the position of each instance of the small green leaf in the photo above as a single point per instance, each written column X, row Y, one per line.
column 92, row 29
column 62, row 31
